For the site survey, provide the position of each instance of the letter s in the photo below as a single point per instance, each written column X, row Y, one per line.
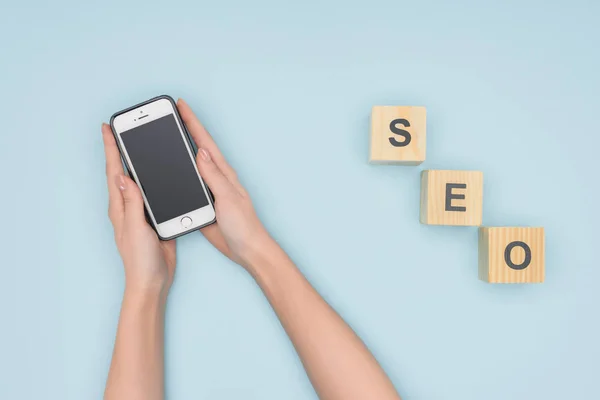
column 400, row 132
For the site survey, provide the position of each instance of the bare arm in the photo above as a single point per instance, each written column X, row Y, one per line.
column 338, row 364
column 137, row 368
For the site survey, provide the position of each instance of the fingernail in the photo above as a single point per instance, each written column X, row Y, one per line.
column 204, row 154
column 120, row 182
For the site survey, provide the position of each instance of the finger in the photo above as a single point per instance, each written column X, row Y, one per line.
column 213, row 234
column 212, row 175
column 132, row 200
column 204, row 140
column 114, row 168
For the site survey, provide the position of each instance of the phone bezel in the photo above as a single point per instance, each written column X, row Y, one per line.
column 156, row 108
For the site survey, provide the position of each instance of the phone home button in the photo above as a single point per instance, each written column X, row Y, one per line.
column 186, row 222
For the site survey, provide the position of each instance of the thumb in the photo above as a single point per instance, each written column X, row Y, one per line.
column 212, row 175
column 132, row 200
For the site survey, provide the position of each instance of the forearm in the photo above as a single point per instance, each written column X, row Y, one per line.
column 137, row 368
column 337, row 362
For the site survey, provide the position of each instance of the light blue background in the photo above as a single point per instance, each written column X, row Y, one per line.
column 511, row 89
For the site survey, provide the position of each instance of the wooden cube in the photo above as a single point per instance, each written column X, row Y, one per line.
column 398, row 135
column 451, row 197
column 511, row 255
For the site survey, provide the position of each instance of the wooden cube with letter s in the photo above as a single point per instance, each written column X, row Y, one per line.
column 451, row 197
column 511, row 255
column 398, row 135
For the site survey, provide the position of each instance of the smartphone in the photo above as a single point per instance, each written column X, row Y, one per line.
column 158, row 153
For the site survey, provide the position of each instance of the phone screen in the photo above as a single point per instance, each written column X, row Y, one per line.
column 164, row 168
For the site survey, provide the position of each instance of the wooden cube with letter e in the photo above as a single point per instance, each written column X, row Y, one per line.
column 451, row 197
column 398, row 135
column 511, row 255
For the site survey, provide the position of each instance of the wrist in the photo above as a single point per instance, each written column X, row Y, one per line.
column 142, row 309
column 259, row 259
column 145, row 296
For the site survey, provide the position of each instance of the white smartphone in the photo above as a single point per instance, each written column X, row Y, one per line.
column 159, row 155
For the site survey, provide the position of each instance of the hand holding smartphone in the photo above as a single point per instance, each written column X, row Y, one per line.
column 160, row 158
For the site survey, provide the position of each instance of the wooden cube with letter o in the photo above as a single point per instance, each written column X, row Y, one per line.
column 451, row 197
column 511, row 255
column 398, row 135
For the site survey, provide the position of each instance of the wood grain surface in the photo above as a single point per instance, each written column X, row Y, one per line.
column 389, row 134
column 493, row 243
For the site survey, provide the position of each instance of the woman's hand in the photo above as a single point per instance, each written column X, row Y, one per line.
column 338, row 364
column 238, row 233
column 137, row 367
column 149, row 263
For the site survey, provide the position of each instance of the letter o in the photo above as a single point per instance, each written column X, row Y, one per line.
column 508, row 251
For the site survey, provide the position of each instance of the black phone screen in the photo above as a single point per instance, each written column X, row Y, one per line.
column 164, row 168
